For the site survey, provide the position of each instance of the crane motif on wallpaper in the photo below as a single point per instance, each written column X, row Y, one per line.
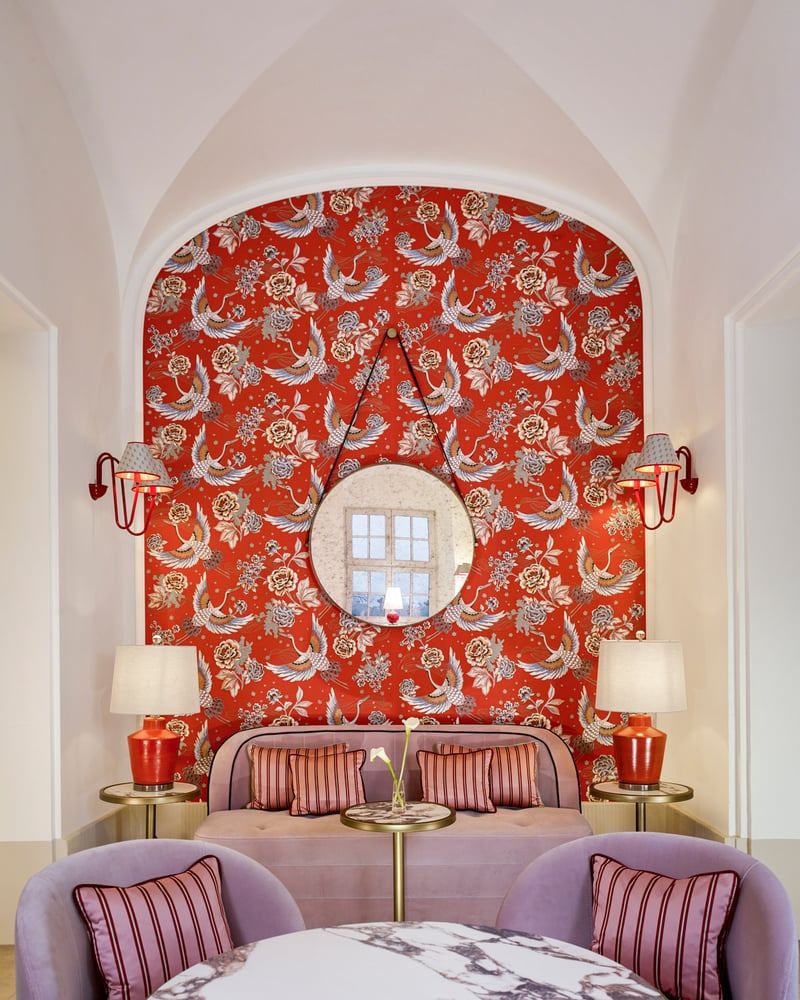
column 191, row 255
column 559, row 361
column 309, row 663
column 455, row 313
column 208, row 321
column 597, row 430
column 443, row 397
column 595, row 580
column 196, row 548
column 193, row 401
column 210, row 469
column 442, row 247
column 346, row 286
column 445, row 695
column 566, row 657
column 213, row 617
column 305, row 220
column 564, row 508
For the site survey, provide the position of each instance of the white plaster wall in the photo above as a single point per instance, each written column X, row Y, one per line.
column 738, row 225
column 55, row 252
column 768, row 358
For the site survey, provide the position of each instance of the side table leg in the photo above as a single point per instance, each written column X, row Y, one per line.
column 641, row 816
column 399, row 867
column 149, row 820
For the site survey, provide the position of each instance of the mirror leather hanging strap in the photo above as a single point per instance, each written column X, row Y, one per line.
column 392, row 334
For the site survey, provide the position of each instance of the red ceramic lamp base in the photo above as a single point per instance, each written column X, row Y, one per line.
column 154, row 755
column 639, row 753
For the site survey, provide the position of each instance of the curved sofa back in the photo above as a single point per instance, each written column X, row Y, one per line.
column 229, row 777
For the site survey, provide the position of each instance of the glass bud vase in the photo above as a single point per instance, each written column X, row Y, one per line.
column 398, row 806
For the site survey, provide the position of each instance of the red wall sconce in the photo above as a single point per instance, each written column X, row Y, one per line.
column 148, row 475
column 658, row 465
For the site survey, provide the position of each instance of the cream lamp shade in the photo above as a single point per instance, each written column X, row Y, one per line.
column 640, row 675
column 137, row 462
column 631, row 476
column 393, row 600
column 155, row 680
column 658, row 455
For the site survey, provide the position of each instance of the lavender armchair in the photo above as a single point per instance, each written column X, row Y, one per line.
column 553, row 896
column 53, row 953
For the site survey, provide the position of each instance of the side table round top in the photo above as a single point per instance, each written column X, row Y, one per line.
column 667, row 791
column 125, row 794
column 378, row 817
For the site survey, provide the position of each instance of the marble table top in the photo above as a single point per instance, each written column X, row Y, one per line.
column 396, row 961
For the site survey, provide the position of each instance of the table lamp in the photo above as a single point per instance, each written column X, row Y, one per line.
column 640, row 676
column 154, row 681
column 393, row 604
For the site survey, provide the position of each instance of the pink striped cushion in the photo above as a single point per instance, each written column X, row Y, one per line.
column 512, row 774
column 145, row 934
column 326, row 783
column 670, row 931
column 458, row 780
column 270, row 779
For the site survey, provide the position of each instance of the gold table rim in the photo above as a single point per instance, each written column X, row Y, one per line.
column 395, row 826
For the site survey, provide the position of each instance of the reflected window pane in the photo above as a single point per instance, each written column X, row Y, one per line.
column 377, row 582
column 421, row 584
column 403, row 581
column 359, row 605
column 377, row 548
column 422, row 552
column 377, row 524
column 360, row 523
column 421, row 607
column 360, row 580
column 376, row 606
column 402, row 549
column 402, row 526
column 360, row 548
column 420, row 527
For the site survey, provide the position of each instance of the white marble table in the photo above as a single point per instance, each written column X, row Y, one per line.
column 398, row 961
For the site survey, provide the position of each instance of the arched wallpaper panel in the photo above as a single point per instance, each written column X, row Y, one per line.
column 524, row 327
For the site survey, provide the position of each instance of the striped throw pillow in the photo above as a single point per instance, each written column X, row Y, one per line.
column 670, row 931
column 270, row 779
column 326, row 783
column 458, row 780
column 512, row 774
column 142, row 935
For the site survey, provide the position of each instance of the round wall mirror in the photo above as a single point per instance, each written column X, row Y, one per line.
column 391, row 544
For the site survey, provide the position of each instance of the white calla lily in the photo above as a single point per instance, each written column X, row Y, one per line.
column 411, row 722
column 378, row 753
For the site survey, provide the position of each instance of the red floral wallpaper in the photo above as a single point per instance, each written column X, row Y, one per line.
column 524, row 328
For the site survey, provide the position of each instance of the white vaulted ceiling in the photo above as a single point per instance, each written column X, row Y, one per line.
column 189, row 108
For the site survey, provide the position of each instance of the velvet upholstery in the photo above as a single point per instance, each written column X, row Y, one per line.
column 553, row 896
column 53, row 953
column 339, row 875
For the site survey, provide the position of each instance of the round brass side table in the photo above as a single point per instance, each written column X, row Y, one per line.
column 125, row 794
column 377, row 817
column 667, row 791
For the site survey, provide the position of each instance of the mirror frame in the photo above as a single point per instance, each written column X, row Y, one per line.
column 327, row 535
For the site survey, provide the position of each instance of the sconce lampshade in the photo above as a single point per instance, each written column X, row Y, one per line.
column 631, row 476
column 155, row 681
column 639, row 677
column 161, row 485
column 392, row 604
column 137, row 463
column 658, row 455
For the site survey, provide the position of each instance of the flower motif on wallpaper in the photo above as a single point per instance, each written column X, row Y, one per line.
column 523, row 327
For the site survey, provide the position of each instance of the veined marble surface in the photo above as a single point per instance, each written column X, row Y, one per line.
column 398, row 961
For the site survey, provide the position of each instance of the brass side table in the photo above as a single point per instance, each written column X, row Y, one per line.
column 667, row 791
column 377, row 817
column 125, row 794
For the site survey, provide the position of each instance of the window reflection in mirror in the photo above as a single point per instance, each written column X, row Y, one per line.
column 391, row 525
